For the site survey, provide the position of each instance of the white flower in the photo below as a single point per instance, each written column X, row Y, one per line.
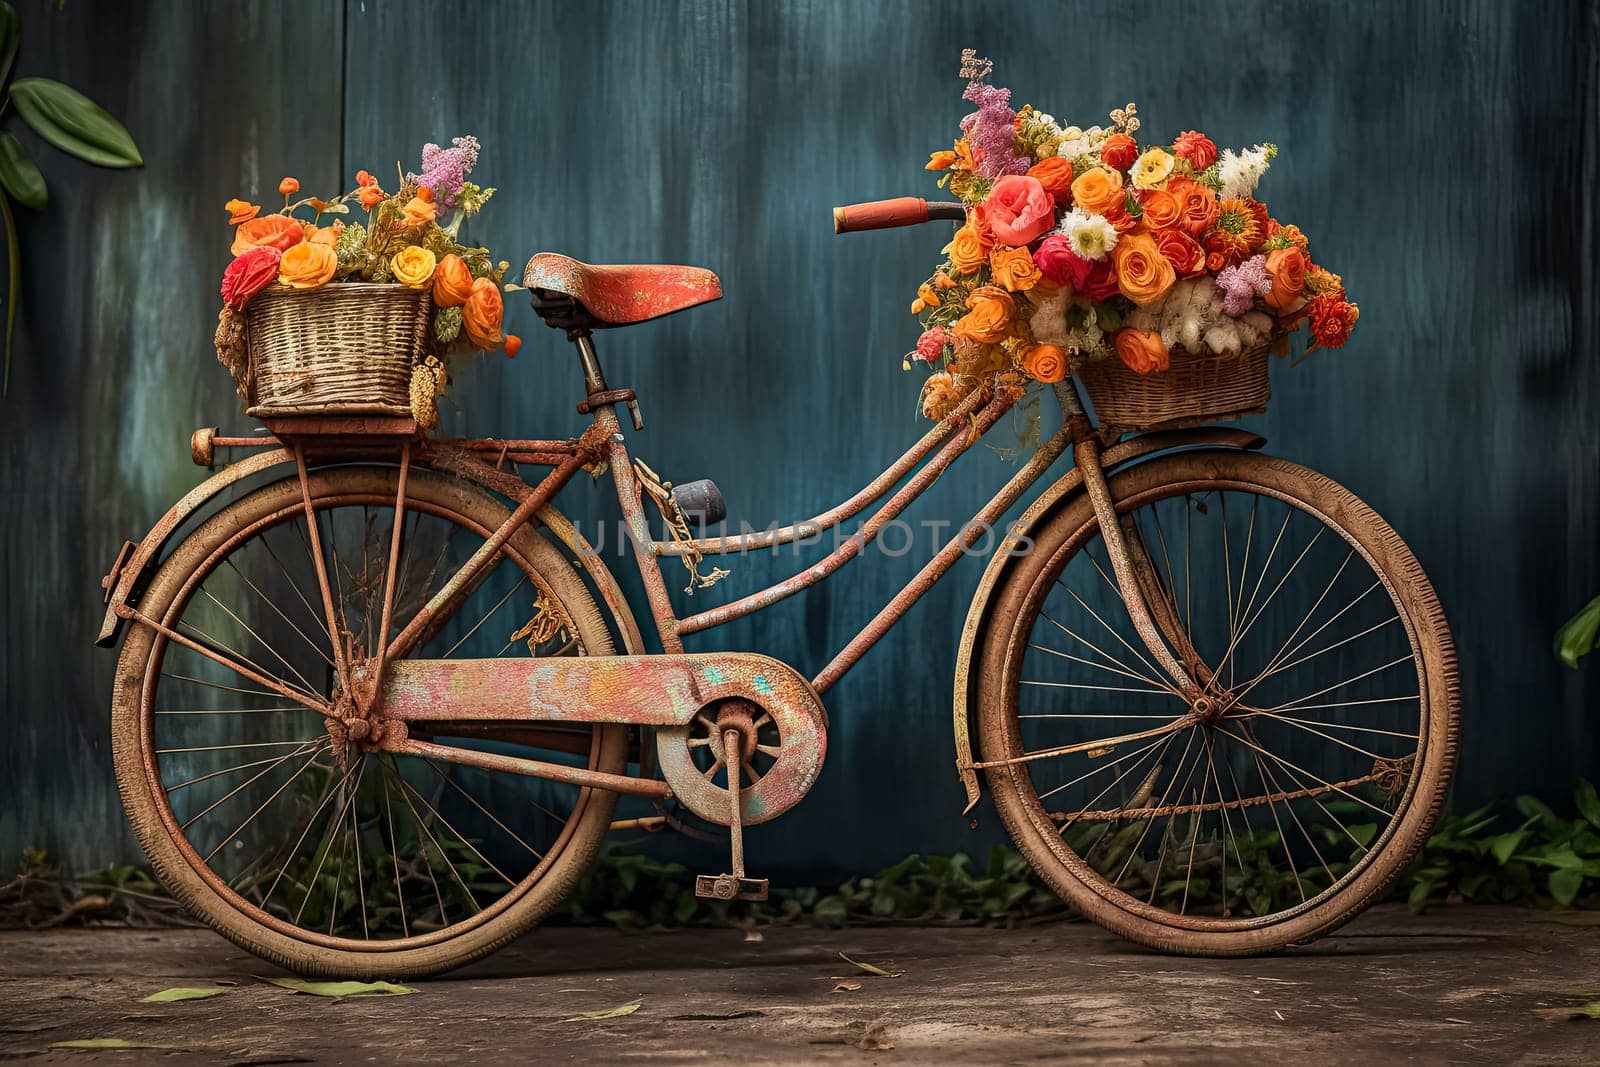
column 1240, row 171
column 1091, row 236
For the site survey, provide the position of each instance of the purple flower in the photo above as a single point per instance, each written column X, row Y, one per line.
column 445, row 170
column 1240, row 285
column 991, row 131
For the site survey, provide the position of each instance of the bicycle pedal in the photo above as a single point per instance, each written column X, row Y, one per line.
column 729, row 887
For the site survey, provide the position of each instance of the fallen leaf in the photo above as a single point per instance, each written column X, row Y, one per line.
column 748, row 1013
column 845, row 987
column 1590, row 1010
column 605, row 1013
column 871, row 968
column 339, row 990
column 168, row 996
column 1567, row 918
column 876, row 1037
column 111, row 1042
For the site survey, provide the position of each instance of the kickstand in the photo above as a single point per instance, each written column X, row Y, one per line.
column 733, row 886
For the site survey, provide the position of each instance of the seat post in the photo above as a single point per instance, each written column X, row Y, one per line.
column 594, row 379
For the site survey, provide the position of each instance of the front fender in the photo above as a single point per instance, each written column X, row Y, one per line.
column 1020, row 536
column 126, row 576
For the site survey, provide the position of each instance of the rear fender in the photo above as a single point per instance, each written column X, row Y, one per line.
column 131, row 568
column 1019, row 539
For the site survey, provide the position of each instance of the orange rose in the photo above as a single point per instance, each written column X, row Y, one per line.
column 306, row 265
column 371, row 196
column 1182, row 251
column 482, row 313
column 1197, row 205
column 1287, row 269
column 241, row 211
column 1098, row 190
column 1119, row 151
column 1143, row 273
column 966, row 250
column 326, row 235
column 940, row 160
column 452, row 282
column 988, row 317
column 267, row 231
column 1055, row 174
column 1044, row 363
column 1142, row 350
column 1161, row 209
column 1013, row 269
column 419, row 212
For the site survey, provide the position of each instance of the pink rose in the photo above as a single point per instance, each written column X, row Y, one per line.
column 1018, row 210
column 248, row 274
column 1051, row 257
column 931, row 344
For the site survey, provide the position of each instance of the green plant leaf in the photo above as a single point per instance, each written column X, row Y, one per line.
column 1564, row 885
column 74, row 123
column 1588, row 802
column 176, row 993
column 1501, row 846
column 10, row 38
column 339, row 990
column 605, row 1013
column 1579, row 635
column 19, row 175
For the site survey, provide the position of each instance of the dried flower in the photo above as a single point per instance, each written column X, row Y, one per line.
column 447, row 324
column 248, row 274
column 444, row 170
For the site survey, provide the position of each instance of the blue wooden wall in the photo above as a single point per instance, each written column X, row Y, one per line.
column 1440, row 153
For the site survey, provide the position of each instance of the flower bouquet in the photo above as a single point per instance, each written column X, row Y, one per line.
column 323, row 315
column 1084, row 251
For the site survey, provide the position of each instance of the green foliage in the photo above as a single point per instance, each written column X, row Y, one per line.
column 1580, row 635
column 1544, row 858
column 63, row 117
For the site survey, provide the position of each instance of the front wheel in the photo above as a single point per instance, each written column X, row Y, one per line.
column 1293, row 791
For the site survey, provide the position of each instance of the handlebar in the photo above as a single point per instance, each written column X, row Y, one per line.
column 899, row 211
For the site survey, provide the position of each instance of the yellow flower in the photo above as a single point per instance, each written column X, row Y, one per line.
column 413, row 266
column 940, row 160
column 1152, row 168
column 307, row 265
column 928, row 297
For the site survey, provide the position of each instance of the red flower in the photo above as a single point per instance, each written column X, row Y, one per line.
column 1093, row 280
column 1195, row 148
column 1053, row 258
column 248, row 274
column 1119, row 151
column 1332, row 319
column 1182, row 251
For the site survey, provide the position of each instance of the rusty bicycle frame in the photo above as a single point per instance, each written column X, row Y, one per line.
column 379, row 695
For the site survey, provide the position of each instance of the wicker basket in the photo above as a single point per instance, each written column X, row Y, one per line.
column 341, row 349
column 1193, row 389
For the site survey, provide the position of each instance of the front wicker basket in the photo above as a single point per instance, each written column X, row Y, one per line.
column 341, row 349
column 1193, row 389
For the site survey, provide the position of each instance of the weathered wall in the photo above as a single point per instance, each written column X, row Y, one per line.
column 1439, row 153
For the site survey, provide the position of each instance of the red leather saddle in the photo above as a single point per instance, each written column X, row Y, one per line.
column 613, row 295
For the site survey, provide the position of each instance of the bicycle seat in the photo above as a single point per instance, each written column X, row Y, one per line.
column 613, row 295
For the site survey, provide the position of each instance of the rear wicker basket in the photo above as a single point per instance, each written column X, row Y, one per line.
column 1193, row 389
column 341, row 349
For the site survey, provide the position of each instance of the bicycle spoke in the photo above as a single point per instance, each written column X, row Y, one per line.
column 458, row 787
column 1262, row 610
column 1297, row 703
column 1294, row 771
column 274, row 605
column 459, row 836
column 328, row 794
column 394, row 857
column 327, row 846
column 252, row 816
column 1284, row 649
column 314, row 746
column 1153, row 677
column 294, row 585
column 219, row 685
column 231, row 711
column 1118, row 670
column 485, row 618
column 1140, row 656
column 1348, row 726
column 274, row 653
column 393, row 772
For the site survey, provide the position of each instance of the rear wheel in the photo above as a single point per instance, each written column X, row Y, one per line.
column 265, row 819
column 1290, row 794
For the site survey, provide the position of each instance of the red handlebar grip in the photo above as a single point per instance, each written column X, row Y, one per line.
column 880, row 214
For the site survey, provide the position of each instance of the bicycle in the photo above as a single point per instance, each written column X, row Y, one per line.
column 318, row 773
